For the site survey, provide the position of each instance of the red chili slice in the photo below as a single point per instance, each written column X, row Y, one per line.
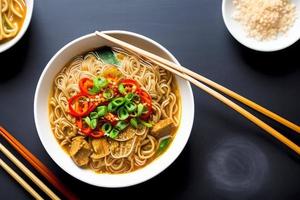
column 114, row 87
column 79, row 106
column 85, row 84
column 97, row 134
column 131, row 85
column 84, row 128
column 146, row 99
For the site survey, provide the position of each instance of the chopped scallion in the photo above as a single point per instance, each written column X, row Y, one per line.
column 121, row 125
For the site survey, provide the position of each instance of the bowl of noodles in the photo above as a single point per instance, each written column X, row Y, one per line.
column 110, row 117
column 15, row 16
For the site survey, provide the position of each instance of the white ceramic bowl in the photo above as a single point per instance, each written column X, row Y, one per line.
column 6, row 45
column 237, row 31
column 57, row 62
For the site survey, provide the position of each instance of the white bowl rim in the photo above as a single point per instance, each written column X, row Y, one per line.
column 281, row 47
column 115, row 184
column 7, row 45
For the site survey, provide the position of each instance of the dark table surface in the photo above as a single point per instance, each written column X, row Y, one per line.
column 227, row 157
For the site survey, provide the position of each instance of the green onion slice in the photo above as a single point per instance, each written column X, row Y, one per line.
column 147, row 124
column 122, row 113
column 106, row 128
column 94, row 115
column 130, row 106
column 87, row 121
column 163, row 144
column 121, row 125
column 121, row 88
column 140, row 108
column 101, row 111
column 129, row 97
column 134, row 122
column 136, row 98
column 108, row 94
column 118, row 101
column 114, row 133
column 93, row 123
column 99, row 83
column 111, row 107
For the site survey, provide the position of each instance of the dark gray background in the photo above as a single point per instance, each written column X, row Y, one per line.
column 226, row 157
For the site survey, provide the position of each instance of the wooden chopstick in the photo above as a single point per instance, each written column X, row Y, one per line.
column 26, row 171
column 207, row 89
column 203, row 79
column 20, row 180
column 37, row 164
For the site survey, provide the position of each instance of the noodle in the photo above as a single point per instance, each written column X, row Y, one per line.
column 127, row 152
column 12, row 15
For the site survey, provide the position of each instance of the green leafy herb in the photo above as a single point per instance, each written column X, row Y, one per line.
column 107, row 56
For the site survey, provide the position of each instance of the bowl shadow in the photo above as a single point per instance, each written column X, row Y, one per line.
column 164, row 183
column 277, row 63
column 14, row 57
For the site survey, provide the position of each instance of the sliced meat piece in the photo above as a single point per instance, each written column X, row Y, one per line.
column 80, row 151
column 162, row 128
column 100, row 147
column 82, row 157
column 76, row 144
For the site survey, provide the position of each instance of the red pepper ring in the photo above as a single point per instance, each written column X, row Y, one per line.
column 146, row 98
column 79, row 108
column 85, row 84
column 131, row 83
column 97, row 134
column 84, row 128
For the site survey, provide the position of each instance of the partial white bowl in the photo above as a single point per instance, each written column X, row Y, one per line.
column 6, row 45
column 237, row 31
column 41, row 117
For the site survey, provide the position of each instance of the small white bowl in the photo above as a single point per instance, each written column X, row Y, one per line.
column 6, row 45
column 237, row 31
column 41, row 117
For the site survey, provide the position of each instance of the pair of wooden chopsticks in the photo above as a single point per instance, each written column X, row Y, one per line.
column 200, row 82
column 37, row 164
column 26, row 171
